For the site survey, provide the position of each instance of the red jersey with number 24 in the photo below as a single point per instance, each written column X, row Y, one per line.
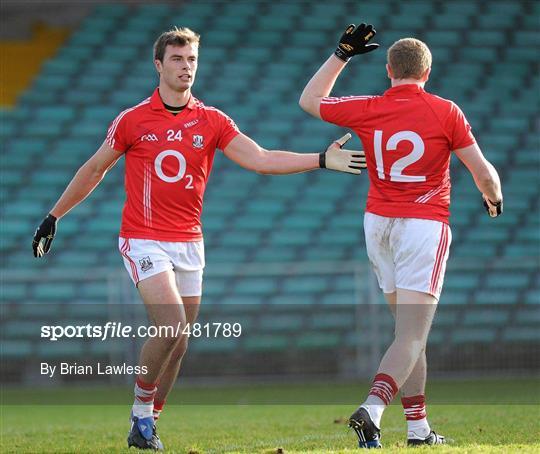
column 168, row 162
column 408, row 136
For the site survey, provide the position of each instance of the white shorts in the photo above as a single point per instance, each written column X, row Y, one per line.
column 407, row 253
column 145, row 258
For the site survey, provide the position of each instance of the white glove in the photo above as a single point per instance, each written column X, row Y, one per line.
column 336, row 158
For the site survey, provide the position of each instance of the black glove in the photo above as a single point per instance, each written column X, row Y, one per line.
column 44, row 236
column 494, row 209
column 355, row 41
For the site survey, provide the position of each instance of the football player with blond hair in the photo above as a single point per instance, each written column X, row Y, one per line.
column 409, row 136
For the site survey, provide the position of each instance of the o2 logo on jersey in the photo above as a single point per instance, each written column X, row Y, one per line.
column 182, row 166
column 396, row 171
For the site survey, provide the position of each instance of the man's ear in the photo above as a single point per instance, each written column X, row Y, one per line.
column 426, row 74
column 158, row 65
column 389, row 71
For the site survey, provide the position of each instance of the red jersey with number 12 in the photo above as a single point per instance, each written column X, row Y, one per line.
column 408, row 136
column 168, row 161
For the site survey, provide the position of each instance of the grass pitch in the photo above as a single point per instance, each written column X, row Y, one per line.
column 244, row 419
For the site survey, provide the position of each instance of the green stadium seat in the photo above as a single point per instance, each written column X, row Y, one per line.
column 22, row 329
column 55, row 292
column 256, row 286
column 520, row 250
column 442, row 38
column 280, row 23
column 529, row 233
column 485, row 317
column 319, row 341
column 214, row 345
column 239, row 238
column 16, row 349
column 274, row 254
column 60, row 350
column 413, row 22
column 473, row 249
column 13, row 292
column 487, row 235
column 528, row 316
column 445, row 318
column 479, row 54
column 469, row 336
column 255, row 221
column 532, row 296
column 94, row 310
column 303, row 222
column 464, row 8
column 15, row 226
column 339, row 298
column 507, row 8
column 288, row 301
column 273, row 343
column 281, row 323
column 36, row 310
column 307, row 284
column 521, row 54
column 506, row 279
column 493, row 21
column 461, row 281
column 530, row 335
column 451, row 21
column 498, row 296
column 286, row 237
column 77, row 259
column 486, row 38
column 263, row 206
column 334, row 321
column 316, row 253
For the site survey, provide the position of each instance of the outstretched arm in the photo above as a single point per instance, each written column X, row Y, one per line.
column 320, row 85
column 485, row 176
column 83, row 183
column 248, row 154
column 354, row 41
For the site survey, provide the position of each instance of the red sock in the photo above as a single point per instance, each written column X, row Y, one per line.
column 158, row 408
column 414, row 407
column 384, row 387
column 144, row 398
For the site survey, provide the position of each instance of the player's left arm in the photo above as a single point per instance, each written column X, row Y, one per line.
column 354, row 41
column 485, row 176
column 248, row 154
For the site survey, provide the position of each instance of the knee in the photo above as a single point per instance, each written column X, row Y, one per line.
column 180, row 349
column 412, row 347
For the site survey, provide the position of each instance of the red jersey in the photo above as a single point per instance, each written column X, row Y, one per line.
column 408, row 136
column 168, row 161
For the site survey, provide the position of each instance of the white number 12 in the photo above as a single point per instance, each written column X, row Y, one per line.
column 396, row 171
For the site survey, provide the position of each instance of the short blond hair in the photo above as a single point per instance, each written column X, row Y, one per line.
column 409, row 58
column 175, row 37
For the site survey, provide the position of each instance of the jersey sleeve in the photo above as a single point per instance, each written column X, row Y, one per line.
column 227, row 129
column 459, row 129
column 118, row 134
column 344, row 110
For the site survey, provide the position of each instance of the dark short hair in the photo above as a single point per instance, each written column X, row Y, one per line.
column 175, row 37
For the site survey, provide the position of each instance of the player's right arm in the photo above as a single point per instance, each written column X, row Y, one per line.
column 83, row 183
column 485, row 176
column 354, row 41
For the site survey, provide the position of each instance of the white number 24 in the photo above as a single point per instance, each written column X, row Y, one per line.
column 396, row 171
